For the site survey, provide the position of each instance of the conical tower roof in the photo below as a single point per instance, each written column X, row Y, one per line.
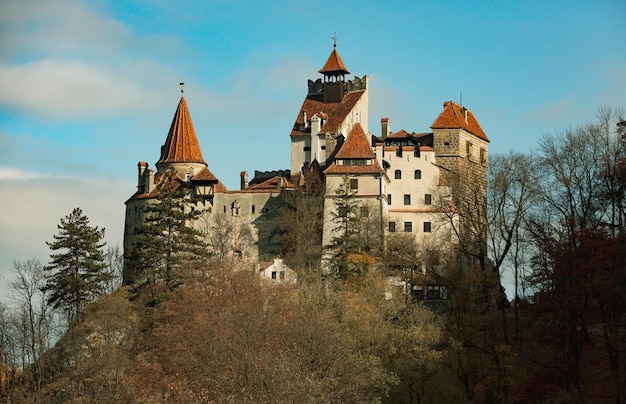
column 181, row 145
column 334, row 65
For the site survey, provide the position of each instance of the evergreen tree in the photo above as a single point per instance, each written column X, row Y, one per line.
column 346, row 221
column 166, row 241
column 77, row 271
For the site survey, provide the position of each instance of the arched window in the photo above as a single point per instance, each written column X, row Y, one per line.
column 397, row 174
column 418, row 174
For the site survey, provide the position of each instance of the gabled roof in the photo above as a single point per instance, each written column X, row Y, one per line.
column 181, row 145
column 453, row 116
column 334, row 64
column 205, row 175
column 356, row 145
column 335, row 113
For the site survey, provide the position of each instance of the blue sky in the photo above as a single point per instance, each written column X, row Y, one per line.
column 89, row 88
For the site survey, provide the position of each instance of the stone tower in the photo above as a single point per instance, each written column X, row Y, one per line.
column 461, row 148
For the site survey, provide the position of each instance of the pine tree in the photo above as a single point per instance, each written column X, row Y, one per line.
column 166, row 241
column 78, row 271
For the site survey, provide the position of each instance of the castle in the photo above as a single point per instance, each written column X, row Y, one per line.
column 405, row 180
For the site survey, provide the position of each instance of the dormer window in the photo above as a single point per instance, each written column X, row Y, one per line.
column 356, row 162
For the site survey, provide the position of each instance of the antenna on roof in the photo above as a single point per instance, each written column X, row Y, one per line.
column 460, row 98
column 334, row 38
column 182, row 87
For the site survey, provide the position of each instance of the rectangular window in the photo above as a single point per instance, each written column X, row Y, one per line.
column 388, row 199
column 428, row 199
column 427, row 227
column 392, row 227
column 354, row 183
column 364, row 211
column 407, row 199
column 307, row 148
column 273, row 274
column 408, row 227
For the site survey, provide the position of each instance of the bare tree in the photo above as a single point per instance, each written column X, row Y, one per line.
column 35, row 325
column 577, row 229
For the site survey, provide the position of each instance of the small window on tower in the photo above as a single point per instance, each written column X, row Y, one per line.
column 428, row 199
column 307, row 148
column 407, row 199
column 397, row 174
column 418, row 174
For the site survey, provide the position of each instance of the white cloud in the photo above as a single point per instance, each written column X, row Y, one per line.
column 65, row 60
column 12, row 173
column 70, row 89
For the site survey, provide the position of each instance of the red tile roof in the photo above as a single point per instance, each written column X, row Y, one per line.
column 453, row 117
column 335, row 113
column 205, row 175
column 333, row 168
column 181, row 145
column 356, row 145
column 334, row 64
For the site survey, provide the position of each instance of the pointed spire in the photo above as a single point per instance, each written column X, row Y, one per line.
column 334, row 65
column 181, row 145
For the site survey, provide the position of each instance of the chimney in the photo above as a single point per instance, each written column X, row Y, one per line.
column 141, row 168
column 244, row 180
column 384, row 124
column 149, row 181
column 465, row 114
column 303, row 119
column 279, row 183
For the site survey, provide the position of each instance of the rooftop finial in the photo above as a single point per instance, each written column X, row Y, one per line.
column 182, row 87
column 334, row 38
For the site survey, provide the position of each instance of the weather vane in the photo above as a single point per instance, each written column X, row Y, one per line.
column 182, row 86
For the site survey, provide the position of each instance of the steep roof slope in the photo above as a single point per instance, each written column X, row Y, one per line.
column 181, row 145
column 355, row 147
column 455, row 116
column 334, row 64
column 334, row 114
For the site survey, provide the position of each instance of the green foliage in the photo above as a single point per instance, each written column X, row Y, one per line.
column 166, row 241
column 77, row 272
